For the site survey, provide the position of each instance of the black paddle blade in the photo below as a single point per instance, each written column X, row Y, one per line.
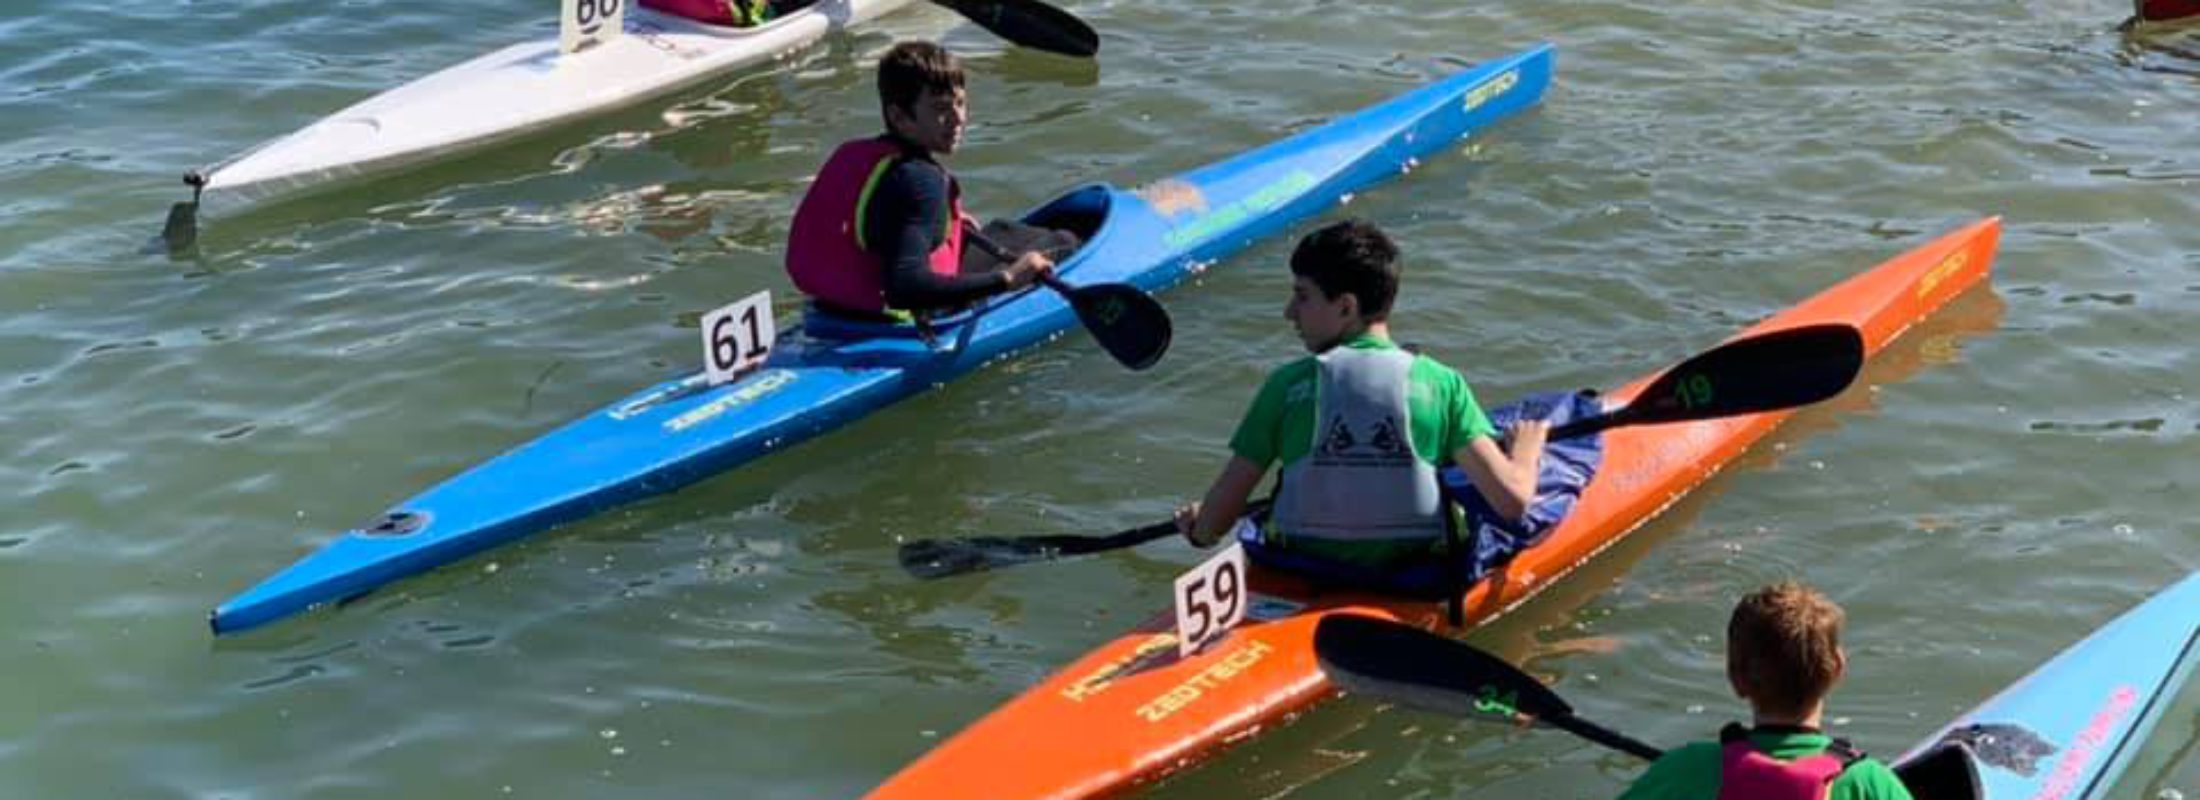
column 1779, row 369
column 1130, row 324
column 1031, row 23
column 932, row 559
column 1398, row 662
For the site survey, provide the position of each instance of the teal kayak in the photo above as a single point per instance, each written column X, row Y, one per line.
column 2071, row 727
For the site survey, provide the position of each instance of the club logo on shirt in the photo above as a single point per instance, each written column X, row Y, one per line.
column 1384, row 446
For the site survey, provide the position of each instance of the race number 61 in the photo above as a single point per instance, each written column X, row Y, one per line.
column 737, row 337
column 1210, row 600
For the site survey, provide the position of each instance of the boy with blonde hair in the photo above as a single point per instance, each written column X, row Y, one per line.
column 1783, row 656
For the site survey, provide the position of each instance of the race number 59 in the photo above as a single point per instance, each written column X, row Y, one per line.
column 1210, row 599
column 582, row 23
column 737, row 337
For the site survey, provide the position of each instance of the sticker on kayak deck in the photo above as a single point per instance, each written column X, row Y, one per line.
column 1170, row 196
column 586, row 23
column 1940, row 272
column 1270, row 609
column 1496, row 86
column 1997, row 744
column 762, row 384
column 1210, row 600
column 1261, row 201
column 737, row 337
column 1104, row 676
column 1222, row 670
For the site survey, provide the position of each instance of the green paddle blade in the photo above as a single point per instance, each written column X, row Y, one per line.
column 1130, row 324
column 1031, row 23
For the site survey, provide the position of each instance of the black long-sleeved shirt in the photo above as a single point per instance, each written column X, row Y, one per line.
column 905, row 221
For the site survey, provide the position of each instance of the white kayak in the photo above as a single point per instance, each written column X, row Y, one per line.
column 505, row 94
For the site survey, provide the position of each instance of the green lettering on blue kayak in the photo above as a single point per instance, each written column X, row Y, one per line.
column 1262, row 201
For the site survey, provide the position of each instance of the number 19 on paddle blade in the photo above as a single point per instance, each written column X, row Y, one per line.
column 586, row 23
column 737, row 337
column 1210, row 600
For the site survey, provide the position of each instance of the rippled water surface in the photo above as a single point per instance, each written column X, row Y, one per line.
column 178, row 426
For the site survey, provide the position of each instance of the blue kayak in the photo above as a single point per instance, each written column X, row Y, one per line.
column 826, row 373
column 2069, row 729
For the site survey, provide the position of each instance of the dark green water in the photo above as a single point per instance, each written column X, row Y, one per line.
column 179, row 427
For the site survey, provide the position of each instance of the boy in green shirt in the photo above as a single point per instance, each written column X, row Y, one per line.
column 1360, row 426
column 1783, row 655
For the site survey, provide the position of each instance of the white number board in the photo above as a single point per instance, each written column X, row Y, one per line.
column 1211, row 599
column 737, row 337
column 585, row 23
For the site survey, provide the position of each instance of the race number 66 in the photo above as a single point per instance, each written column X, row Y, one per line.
column 1210, row 599
column 737, row 337
column 588, row 22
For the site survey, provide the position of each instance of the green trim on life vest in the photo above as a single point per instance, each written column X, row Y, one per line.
column 863, row 198
column 749, row 13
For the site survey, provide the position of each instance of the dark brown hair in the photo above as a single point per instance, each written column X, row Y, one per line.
column 1351, row 257
column 911, row 68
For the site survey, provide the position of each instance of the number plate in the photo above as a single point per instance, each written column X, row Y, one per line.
column 1210, row 600
column 737, row 337
column 584, row 23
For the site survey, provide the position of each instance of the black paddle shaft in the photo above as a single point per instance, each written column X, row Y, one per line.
column 939, row 558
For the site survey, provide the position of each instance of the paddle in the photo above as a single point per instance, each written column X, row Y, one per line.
column 940, row 558
column 1778, row 369
column 1397, row 662
column 1031, row 23
column 1128, row 322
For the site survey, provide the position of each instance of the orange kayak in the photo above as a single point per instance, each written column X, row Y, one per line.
column 1131, row 711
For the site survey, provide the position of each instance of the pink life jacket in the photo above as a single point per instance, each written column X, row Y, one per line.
column 713, row 12
column 2163, row 10
column 826, row 256
column 1746, row 774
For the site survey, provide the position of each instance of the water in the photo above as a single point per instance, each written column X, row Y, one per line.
column 179, row 427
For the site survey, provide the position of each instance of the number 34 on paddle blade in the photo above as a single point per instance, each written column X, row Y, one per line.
column 737, row 337
column 1210, row 600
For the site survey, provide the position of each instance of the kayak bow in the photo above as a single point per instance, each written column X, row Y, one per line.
column 507, row 93
column 1139, row 712
column 2068, row 729
column 825, row 374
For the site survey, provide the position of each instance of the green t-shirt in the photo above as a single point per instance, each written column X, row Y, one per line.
column 1692, row 772
column 1279, row 427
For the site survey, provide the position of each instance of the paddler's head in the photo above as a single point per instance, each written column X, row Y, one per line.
column 1783, row 653
column 920, row 92
column 1343, row 279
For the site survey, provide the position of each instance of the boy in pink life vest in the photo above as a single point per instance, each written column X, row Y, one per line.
column 734, row 13
column 881, row 229
column 1783, row 655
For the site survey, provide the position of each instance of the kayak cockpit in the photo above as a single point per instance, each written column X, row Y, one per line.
column 1081, row 212
column 1946, row 772
column 718, row 16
